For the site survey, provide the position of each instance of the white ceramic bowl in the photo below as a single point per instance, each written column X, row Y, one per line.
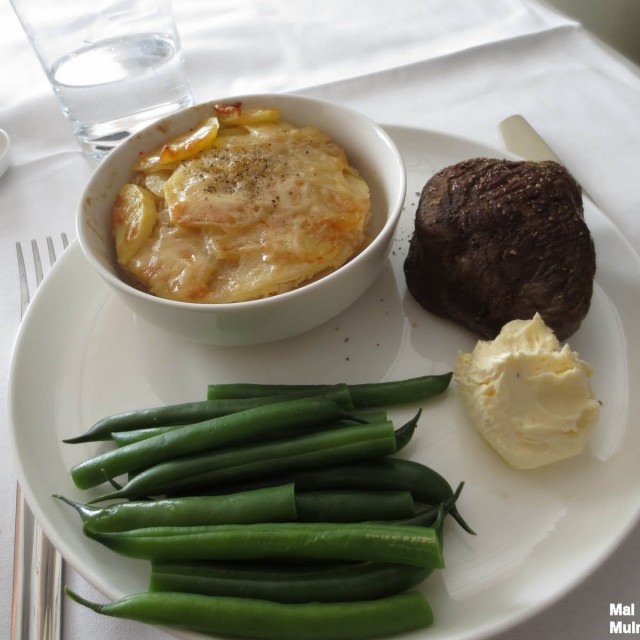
column 368, row 148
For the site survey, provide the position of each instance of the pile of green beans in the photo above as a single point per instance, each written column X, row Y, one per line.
column 272, row 511
column 264, row 422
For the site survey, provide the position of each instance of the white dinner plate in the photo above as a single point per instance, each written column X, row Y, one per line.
column 80, row 355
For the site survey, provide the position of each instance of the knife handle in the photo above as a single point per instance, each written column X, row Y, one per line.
column 523, row 140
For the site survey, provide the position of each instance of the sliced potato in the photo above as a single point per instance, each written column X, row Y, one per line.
column 181, row 148
column 133, row 218
column 155, row 182
column 233, row 115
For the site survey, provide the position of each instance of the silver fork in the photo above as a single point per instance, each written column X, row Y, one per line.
column 37, row 568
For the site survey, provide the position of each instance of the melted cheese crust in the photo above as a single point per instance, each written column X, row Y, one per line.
column 267, row 208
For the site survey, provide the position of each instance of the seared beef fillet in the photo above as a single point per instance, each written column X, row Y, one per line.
column 498, row 240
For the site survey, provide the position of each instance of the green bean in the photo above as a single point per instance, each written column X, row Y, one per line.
column 263, row 620
column 335, row 582
column 430, row 516
column 417, row 546
column 263, row 422
column 374, row 394
column 400, row 391
column 271, row 504
column 353, row 506
column 253, row 461
column 424, row 518
column 190, row 412
column 406, row 431
column 122, row 438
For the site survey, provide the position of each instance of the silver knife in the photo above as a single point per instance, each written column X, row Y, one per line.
column 523, row 140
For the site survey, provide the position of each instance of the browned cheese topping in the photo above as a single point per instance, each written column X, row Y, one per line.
column 244, row 207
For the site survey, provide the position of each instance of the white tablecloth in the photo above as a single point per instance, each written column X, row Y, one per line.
column 457, row 66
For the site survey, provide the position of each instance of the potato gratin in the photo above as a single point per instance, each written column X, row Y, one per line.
column 245, row 206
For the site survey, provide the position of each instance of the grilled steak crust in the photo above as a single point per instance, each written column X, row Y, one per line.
column 498, row 240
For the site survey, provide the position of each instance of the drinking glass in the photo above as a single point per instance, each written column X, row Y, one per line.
column 114, row 65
